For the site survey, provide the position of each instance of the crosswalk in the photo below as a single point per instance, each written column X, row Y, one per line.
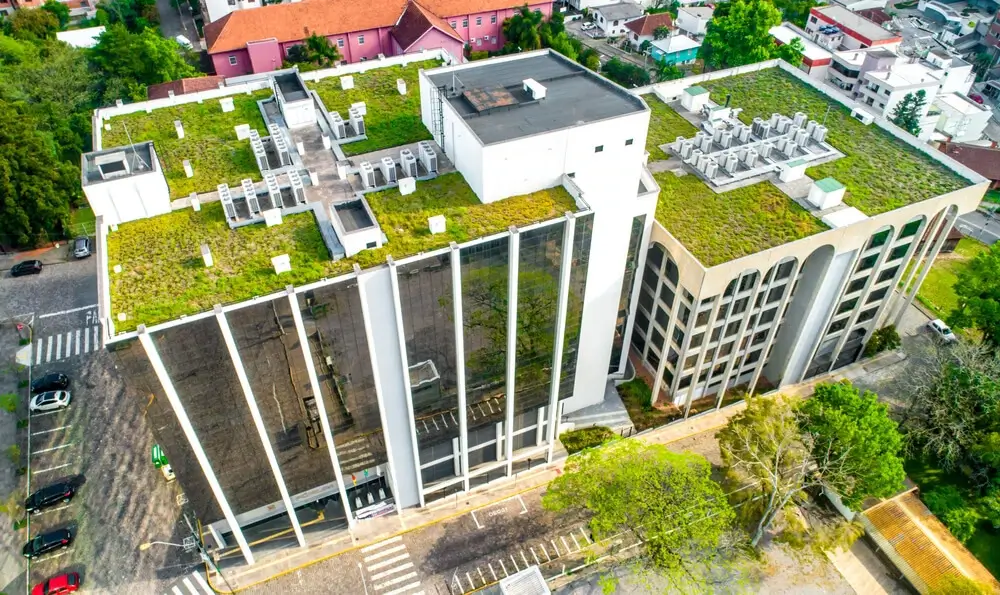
column 390, row 569
column 61, row 346
column 193, row 584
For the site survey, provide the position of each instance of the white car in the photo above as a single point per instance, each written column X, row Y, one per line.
column 942, row 330
column 587, row 26
column 49, row 401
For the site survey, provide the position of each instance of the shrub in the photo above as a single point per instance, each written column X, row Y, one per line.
column 478, row 55
column 14, row 453
column 989, row 507
column 884, row 339
column 577, row 440
column 948, row 503
column 8, row 402
column 638, row 391
column 958, row 584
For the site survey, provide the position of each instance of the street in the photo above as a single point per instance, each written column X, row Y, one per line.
column 606, row 50
column 980, row 226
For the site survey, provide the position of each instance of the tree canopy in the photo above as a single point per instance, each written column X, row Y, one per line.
column 906, row 114
column 523, row 29
column 58, row 10
column 32, row 25
column 740, row 34
column 129, row 62
column 978, row 291
column 315, row 52
column 625, row 74
column 795, row 11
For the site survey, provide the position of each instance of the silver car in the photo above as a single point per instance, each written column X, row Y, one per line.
column 942, row 330
column 49, row 401
column 81, row 247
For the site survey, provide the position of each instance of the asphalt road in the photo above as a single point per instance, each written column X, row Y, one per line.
column 603, row 48
column 980, row 226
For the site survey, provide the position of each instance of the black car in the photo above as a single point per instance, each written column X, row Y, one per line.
column 54, row 381
column 28, row 267
column 47, row 542
column 49, row 496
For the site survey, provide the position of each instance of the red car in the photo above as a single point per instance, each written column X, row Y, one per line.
column 58, row 585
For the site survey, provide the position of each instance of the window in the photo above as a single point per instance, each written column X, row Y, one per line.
column 726, row 349
column 785, row 269
column 856, row 285
column 768, row 316
column 614, row 24
column 813, row 20
column 340, row 42
column 877, row 295
column 837, row 326
column 910, row 229
column 898, row 252
column 847, row 306
column 232, row 60
column 493, row 20
column 775, row 294
column 231, row 2
column 479, row 42
column 887, row 274
column 628, row 142
column 454, row 25
column 361, row 40
column 740, row 306
column 867, row 315
column 666, row 295
column 879, row 239
column 465, row 22
column 702, row 318
column 867, row 262
column 662, row 318
column 479, row 21
column 599, row 148
column 697, row 340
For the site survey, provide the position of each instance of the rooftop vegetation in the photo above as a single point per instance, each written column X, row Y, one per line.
column 392, row 119
column 881, row 172
column 209, row 142
column 163, row 275
column 665, row 125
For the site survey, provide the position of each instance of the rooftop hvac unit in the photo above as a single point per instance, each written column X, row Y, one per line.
column 357, row 121
column 677, row 144
column 751, row 158
column 389, row 170
column 862, row 116
column 765, row 150
column 783, row 125
column 765, row 129
column 712, row 169
column 726, row 139
column 702, row 162
column 811, row 125
column 338, row 125
column 227, row 201
column 744, row 135
column 819, row 135
column 367, row 173
column 258, row 150
column 774, row 120
column 801, row 137
column 782, row 145
column 408, row 162
column 800, row 119
column 298, row 191
column 717, row 135
column 428, row 157
column 273, row 192
column 706, row 144
column 730, row 163
column 755, row 126
column 742, row 153
column 250, row 194
column 693, row 159
column 686, row 148
column 280, row 146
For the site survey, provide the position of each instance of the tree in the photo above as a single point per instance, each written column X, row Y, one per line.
column 854, row 427
column 795, row 11
column 906, row 114
column 791, row 52
column 523, row 30
column 668, row 72
column 978, row 291
column 590, row 58
column 58, row 10
column 32, row 25
column 135, row 15
column 626, row 74
column 740, row 34
column 661, row 32
column 668, row 499
column 315, row 52
column 129, row 62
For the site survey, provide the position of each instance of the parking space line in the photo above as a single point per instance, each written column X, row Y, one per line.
column 86, row 342
column 563, row 539
column 481, row 577
column 97, row 337
column 385, row 563
column 386, row 573
column 189, row 585
column 553, row 542
column 385, row 553
column 525, row 558
column 396, row 581
column 50, row 431
column 493, row 572
column 472, row 585
column 54, row 556
column 48, row 510
column 48, row 349
column 573, row 535
column 514, row 562
column 46, row 413
column 201, row 582
column 176, row 591
column 524, row 509
column 537, row 561
column 381, row 544
column 584, row 533
column 403, row 589
column 45, row 450
column 77, row 350
column 51, row 468
column 38, row 354
column 473, row 513
column 59, row 346
column 504, row 568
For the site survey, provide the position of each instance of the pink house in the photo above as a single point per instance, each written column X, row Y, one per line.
column 257, row 40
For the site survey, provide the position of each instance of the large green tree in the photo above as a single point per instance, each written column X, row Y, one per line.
column 795, row 11
column 625, row 74
column 32, row 25
column 740, row 35
column 58, row 10
column 129, row 62
column 854, row 426
column 906, row 114
column 315, row 52
column 523, row 30
column 978, row 291
column 668, row 499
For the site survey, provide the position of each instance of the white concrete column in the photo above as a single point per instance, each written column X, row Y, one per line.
column 773, row 331
column 376, row 378
column 397, row 306
column 562, row 309
column 540, row 427
column 712, row 319
column 462, row 455
column 192, row 438
column 736, row 362
column 258, row 421
column 324, row 421
column 499, row 444
column 949, row 221
column 934, row 223
column 456, row 451
column 513, row 261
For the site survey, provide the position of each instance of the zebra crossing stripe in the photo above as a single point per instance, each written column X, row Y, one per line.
column 77, row 344
column 201, row 583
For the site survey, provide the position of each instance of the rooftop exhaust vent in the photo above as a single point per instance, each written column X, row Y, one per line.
column 535, row 89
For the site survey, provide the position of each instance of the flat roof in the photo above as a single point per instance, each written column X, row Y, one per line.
column 137, row 159
column 906, row 75
column 573, row 96
column 786, row 35
column 619, row 10
column 855, row 22
column 676, row 43
column 961, row 103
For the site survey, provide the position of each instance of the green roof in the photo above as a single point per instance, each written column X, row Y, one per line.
column 163, row 275
column 696, row 90
column 829, row 185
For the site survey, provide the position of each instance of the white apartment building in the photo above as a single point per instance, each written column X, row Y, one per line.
column 693, row 20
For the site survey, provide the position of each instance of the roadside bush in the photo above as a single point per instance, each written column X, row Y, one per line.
column 989, row 507
column 478, row 55
column 948, row 504
column 883, row 339
column 577, row 440
column 957, row 584
column 14, row 453
column 638, row 391
column 8, row 402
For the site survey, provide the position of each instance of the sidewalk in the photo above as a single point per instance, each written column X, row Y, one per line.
column 53, row 254
column 288, row 561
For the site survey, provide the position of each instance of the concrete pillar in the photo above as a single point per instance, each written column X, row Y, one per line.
column 773, row 332
column 712, row 317
column 540, row 429
column 462, row 456
column 499, row 444
column 175, row 403
column 513, row 260
column 946, row 225
column 456, row 451
column 258, row 422
column 741, row 332
column 562, row 308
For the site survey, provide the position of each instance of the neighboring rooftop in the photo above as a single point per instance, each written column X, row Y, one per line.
column 646, row 25
column 163, row 276
column 702, row 12
column 786, row 35
column 81, row 38
column 183, row 86
column 573, row 94
column 676, row 43
column 416, row 22
column 856, row 23
column 907, row 75
column 619, row 11
column 116, row 163
column 985, row 161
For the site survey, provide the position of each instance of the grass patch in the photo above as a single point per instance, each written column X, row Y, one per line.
column 717, row 228
column 209, row 141
column 665, row 125
column 392, row 119
column 937, row 292
column 577, row 440
column 881, row 173
column 82, row 221
column 992, row 196
column 635, row 395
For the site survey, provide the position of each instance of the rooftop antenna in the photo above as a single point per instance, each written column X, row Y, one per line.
column 135, row 154
column 455, row 83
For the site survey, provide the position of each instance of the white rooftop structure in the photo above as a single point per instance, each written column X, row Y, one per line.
column 81, row 38
column 676, row 43
column 908, row 75
column 786, row 35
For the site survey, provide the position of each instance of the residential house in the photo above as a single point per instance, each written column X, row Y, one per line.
column 80, row 38
column 676, row 49
column 251, row 41
column 611, row 18
column 985, row 161
column 693, row 20
column 837, row 28
column 815, row 60
column 959, row 118
column 859, row 5
column 642, row 29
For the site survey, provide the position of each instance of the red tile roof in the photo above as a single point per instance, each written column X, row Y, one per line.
column 985, row 161
column 182, row 86
column 646, row 25
column 298, row 20
column 415, row 22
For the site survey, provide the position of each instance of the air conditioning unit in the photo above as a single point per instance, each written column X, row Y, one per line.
column 800, row 119
column 408, row 163
column 428, row 157
column 751, row 158
column 702, row 162
column 819, row 135
column 775, row 117
column 686, row 148
column 765, row 150
column 712, row 169
column 801, row 137
column 744, row 135
column 357, row 121
column 367, row 173
column 706, row 144
column 730, row 163
column 862, row 116
column 742, row 152
column 717, row 135
column 811, row 125
column 339, row 126
column 389, row 170
column 726, row 139
column 678, row 144
column 693, row 159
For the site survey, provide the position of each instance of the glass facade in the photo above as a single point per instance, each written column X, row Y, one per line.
column 631, row 264
column 574, row 313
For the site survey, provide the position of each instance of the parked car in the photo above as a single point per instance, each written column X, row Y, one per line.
column 976, row 97
column 47, row 542
column 53, row 381
column 587, row 26
column 50, row 401
column 27, row 267
column 942, row 330
column 81, row 247
column 58, row 585
column 57, row 493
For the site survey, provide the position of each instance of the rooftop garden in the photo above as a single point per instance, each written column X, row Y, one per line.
column 209, row 142
column 665, row 125
column 392, row 119
column 163, row 275
column 881, row 172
